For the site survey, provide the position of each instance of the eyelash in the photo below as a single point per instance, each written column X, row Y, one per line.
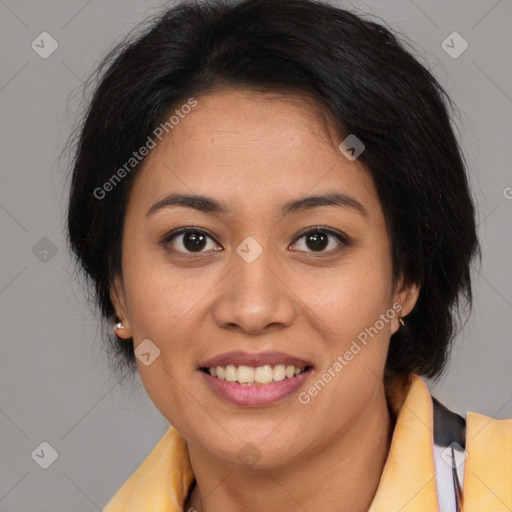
column 344, row 239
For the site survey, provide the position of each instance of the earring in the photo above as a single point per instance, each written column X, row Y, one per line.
column 401, row 320
column 119, row 325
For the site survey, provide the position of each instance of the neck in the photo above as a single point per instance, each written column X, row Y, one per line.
column 343, row 475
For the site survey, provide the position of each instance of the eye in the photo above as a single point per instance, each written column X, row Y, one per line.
column 318, row 238
column 187, row 240
column 190, row 240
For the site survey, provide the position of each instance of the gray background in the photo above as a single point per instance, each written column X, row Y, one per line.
column 54, row 379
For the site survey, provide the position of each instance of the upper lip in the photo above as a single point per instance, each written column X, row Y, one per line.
column 254, row 359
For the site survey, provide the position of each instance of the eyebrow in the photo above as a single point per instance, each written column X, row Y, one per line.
column 210, row 205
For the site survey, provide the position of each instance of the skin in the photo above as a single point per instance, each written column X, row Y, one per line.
column 255, row 152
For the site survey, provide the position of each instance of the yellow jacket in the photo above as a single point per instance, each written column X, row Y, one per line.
column 408, row 482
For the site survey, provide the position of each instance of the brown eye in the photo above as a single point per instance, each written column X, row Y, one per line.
column 194, row 241
column 187, row 240
column 318, row 239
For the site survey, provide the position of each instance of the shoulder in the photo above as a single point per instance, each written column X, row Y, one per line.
column 161, row 482
column 488, row 474
column 482, row 453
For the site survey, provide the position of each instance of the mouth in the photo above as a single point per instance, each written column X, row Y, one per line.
column 255, row 379
column 255, row 376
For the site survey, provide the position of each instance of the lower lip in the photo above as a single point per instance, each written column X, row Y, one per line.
column 254, row 395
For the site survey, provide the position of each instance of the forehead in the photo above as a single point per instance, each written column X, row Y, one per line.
column 250, row 148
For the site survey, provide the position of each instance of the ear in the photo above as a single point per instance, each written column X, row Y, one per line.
column 117, row 296
column 406, row 294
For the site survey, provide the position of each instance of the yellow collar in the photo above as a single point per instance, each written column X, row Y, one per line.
column 408, row 482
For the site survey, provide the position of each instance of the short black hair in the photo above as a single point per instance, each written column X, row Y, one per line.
column 370, row 83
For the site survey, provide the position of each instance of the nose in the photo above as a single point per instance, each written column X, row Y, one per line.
column 254, row 297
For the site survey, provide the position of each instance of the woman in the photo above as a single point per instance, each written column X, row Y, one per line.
column 270, row 201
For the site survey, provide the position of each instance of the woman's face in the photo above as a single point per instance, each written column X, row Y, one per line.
column 248, row 278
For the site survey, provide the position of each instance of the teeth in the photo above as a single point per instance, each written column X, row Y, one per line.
column 263, row 374
column 245, row 374
column 231, row 373
column 260, row 375
column 279, row 372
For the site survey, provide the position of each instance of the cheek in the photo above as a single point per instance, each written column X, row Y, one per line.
column 355, row 337
column 164, row 308
column 351, row 297
column 158, row 297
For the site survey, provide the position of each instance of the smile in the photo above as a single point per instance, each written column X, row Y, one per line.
column 261, row 386
column 260, row 375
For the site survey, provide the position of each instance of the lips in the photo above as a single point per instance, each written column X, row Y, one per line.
column 255, row 395
column 239, row 358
